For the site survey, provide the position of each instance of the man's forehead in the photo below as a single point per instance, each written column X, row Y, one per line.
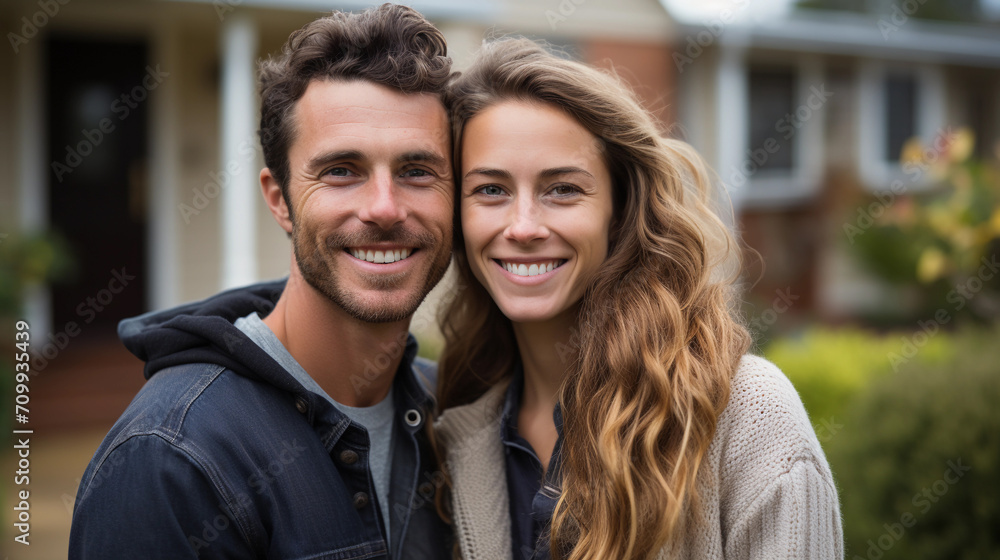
column 369, row 111
column 365, row 99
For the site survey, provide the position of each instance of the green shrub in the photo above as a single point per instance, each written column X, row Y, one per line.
column 830, row 367
column 903, row 445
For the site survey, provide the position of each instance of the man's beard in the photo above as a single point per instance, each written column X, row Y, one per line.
column 319, row 269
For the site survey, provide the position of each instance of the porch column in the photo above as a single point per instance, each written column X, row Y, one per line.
column 239, row 125
column 34, row 176
column 731, row 117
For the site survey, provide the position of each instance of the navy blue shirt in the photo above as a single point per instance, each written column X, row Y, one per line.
column 532, row 493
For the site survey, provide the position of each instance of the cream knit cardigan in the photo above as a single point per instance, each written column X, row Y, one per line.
column 766, row 489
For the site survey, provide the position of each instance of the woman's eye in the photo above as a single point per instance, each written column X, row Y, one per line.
column 564, row 190
column 491, row 190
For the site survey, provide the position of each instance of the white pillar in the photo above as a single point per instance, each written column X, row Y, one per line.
column 34, row 177
column 239, row 124
column 731, row 114
column 163, row 265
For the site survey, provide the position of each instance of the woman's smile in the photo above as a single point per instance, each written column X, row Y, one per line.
column 536, row 208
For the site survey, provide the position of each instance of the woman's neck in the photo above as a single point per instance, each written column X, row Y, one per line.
column 546, row 350
column 546, row 353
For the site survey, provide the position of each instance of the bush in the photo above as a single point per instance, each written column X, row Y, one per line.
column 830, row 367
column 900, row 461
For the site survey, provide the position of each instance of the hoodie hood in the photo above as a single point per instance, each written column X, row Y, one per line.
column 203, row 332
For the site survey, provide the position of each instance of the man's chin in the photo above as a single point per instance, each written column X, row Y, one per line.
column 375, row 305
column 377, row 312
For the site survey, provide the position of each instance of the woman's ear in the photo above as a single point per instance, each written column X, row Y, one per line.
column 275, row 200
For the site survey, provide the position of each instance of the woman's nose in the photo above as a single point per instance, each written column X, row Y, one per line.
column 526, row 222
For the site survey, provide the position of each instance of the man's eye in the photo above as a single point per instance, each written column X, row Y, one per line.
column 491, row 190
column 338, row 171
column 416, row 172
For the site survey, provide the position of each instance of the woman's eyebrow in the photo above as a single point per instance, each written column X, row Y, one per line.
column 556, row 171
column 545, row 173
column 490, row 172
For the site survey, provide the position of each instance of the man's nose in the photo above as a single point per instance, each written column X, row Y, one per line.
column 382, row 206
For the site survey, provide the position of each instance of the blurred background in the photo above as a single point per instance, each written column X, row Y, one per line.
column 857, row 139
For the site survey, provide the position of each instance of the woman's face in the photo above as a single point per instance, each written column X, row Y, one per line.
column 536, row 207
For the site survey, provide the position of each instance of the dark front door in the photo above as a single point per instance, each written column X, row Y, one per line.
column 98, row 98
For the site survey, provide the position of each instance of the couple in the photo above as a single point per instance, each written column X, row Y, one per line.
column 593, row 400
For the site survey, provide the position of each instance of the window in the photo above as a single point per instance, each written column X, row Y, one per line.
column 772, row 120
column 896, row 102
column 900, row 113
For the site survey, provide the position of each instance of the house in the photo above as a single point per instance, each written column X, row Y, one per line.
column 797, row 113
column 130, row 127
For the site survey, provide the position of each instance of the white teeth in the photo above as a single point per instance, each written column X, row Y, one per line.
column 380, row 257
column 530, row 270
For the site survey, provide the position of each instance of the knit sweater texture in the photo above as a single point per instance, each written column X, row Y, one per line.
column 765, row 487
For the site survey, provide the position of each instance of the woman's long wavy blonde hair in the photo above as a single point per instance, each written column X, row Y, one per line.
column 657, row 338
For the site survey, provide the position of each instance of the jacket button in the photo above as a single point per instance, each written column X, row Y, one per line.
column 301, row 405
column 412, row 417
column 426, row 490
column 348, row 457
column 360, row 500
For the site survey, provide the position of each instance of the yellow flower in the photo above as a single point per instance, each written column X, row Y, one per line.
column 931, row 265
column 913, row 151
column 960, row 147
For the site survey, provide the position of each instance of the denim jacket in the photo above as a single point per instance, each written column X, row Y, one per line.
column 223, row 454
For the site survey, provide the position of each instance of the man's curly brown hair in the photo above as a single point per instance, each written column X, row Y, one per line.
column 391, row 45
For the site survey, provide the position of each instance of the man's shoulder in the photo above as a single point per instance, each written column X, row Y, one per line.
column 196, row 406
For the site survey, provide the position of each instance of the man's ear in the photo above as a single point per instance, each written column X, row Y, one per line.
column 275, row 200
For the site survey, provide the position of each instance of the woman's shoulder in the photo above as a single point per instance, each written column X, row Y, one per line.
column 764, row 426
column 471, row 420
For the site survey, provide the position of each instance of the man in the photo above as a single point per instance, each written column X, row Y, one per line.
column 287, row 420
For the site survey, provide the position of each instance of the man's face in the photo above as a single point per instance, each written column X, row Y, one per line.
column 371, row 196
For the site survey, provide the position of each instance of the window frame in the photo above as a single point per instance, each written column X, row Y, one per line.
column 877, row 171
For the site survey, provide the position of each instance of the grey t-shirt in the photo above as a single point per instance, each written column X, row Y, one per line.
column 376, row 419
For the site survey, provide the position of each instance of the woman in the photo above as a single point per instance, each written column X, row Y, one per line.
column 594, row 324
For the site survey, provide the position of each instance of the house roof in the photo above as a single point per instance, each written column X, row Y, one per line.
column 874, row 35
column 480, row 11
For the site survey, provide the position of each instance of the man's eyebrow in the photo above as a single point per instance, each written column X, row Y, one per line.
column 490, row 172
column 423, row 156
column 324, row 158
